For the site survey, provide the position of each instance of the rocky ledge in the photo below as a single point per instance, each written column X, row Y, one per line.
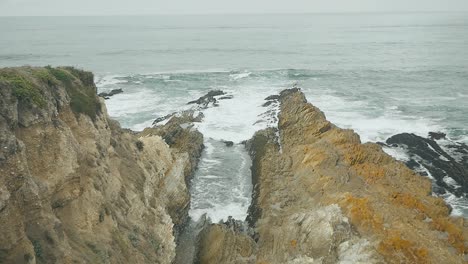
column 77, row 188
column 321, row 196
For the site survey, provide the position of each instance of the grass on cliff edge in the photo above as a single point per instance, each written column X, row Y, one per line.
column 78, row 84
column 23, row 89
column 83, row 98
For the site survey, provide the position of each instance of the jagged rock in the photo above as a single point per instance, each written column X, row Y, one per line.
column 320, row 196
column 270, row 100
column 427, row 156
column 113, row 92
column 74, row 186
column 209, row 98
column 272, row 97
column 437, row 135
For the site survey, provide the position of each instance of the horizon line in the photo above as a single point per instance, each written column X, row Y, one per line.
column 248, row 13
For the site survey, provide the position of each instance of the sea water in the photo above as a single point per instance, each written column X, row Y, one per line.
column 379, row 74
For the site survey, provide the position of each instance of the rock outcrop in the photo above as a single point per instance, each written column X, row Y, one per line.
column 448, row 165
column 210, row 99
column 77, row 188
column 320, row 196
column 107, row 95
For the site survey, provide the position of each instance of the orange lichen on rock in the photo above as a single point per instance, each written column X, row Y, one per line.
column 399, row 250
column 294, row 243
column 455, row 233
column 409, row 201
column 370, row 172
column 362, row 213
column 439, row 221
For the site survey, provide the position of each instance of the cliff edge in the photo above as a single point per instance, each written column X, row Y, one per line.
column 77, row 188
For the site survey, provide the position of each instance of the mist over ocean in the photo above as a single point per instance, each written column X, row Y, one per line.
column 379, row 74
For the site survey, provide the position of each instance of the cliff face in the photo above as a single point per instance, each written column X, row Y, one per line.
column 74, row 186
column 321, row 196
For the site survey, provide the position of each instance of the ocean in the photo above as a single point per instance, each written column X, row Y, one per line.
column 379, row 74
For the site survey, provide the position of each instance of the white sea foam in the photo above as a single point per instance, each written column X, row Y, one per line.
column 221, row 212
column 109, row 80
column 459, row 204
column 235, row 119
column 221, row 189
column 237, row 76
column 451, row 182
column 398, row 153
column 359, row 116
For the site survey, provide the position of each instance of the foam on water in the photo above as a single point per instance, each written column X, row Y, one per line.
column 361, row 117
column 221, row 186
column 150, row 96
column 398, row 153
column 109, row 80
column 236, row 119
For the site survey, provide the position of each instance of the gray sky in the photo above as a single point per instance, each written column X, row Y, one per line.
column 130, row 7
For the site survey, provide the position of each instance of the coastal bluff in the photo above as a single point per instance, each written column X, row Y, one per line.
column 321, row 196
column 77, row 188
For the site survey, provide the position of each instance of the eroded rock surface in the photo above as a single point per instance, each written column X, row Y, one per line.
column 77, row 188
column 320, row 196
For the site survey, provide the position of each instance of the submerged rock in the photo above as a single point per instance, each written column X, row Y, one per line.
column 320, row 196
column 74, row 185
column 228, row 143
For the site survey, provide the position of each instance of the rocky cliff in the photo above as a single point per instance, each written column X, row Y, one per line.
column 320, row 196
column 77, row 188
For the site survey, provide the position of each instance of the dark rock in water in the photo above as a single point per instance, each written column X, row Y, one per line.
column 111, row 93
column 272, row 97
column 437, row 135
column 228, row 143
column 184, row 117
column 162, row 118
column 205, row 100
column 267, row 103
column 426, row 156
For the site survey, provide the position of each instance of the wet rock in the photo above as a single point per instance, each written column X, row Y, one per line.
column 437, row 135
column 271, row 100
column 113, row 92
column 228, row 143
column 163, row 118
column 272, row 97
column 427, row 156
column 209, row 98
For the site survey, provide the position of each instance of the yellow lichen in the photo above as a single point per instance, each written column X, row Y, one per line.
column 396, row 249
column 362, row 213
column 294, row 243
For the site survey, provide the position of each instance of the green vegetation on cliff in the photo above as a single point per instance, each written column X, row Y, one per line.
column 31, row 86
column 23, row 89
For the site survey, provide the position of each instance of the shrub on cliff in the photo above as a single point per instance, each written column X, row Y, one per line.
column 23, row 89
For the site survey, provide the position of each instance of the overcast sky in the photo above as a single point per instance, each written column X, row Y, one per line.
column 133, row 7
